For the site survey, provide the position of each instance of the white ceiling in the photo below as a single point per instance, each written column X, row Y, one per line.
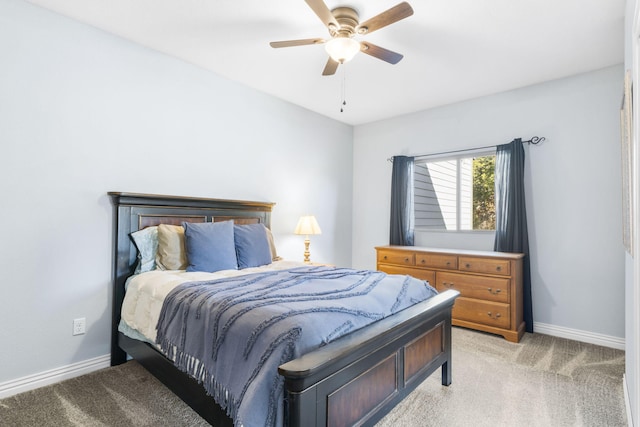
column 453, row 49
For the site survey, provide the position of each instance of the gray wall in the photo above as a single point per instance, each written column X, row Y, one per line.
column 572, row 184
column 82, row 113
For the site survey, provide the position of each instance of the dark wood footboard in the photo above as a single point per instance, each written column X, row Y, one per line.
column 358, row 378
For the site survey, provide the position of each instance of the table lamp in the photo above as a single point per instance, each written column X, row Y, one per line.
column 307, row 225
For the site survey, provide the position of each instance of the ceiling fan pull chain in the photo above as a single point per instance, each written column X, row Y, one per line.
column 343, row 89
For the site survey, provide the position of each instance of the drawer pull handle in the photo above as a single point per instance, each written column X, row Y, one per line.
column 447, row 285
column 448, row 262
column 467, row 265
column 406, row 260
column 494, row 292
column 496, row 316
column 422, row 261
column 499, row 268
column 385, row 257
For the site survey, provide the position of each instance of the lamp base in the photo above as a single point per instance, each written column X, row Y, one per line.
column 307, row 254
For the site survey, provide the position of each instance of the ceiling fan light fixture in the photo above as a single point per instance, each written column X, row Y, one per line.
column 342, row 49
column 343, row 24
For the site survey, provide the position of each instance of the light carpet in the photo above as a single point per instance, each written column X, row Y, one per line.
column 541, row 381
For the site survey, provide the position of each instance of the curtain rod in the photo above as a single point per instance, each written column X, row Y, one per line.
column 534, row 140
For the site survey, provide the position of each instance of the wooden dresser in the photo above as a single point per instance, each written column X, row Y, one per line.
column 490, row 283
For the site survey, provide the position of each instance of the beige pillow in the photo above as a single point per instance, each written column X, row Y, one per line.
column 272, row 246
column 172, row 254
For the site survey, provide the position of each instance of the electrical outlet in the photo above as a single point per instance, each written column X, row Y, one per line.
column 79, row 326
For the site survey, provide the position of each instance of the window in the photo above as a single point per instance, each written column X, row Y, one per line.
column 455, row 193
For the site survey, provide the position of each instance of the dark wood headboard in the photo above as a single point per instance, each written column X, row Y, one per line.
column 133, row 212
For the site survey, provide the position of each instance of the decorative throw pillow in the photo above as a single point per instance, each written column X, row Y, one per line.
column 252, row 245
column 210, row 246
column 171, row 250
column 146, row 241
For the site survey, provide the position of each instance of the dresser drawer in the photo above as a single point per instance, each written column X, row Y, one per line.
column 429, row 276
column 482, row 287
column 487, row 313
column 396, row 257
column 485, row 265
column 437, row 261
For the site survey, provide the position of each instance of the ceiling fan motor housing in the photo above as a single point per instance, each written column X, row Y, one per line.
column 348, row 20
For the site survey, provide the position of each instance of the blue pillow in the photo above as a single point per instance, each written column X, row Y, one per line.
column 210, row 246
column 252, row 245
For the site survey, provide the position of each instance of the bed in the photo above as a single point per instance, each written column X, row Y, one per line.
column 352, row 380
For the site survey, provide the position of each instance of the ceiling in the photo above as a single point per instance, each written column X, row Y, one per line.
column 453, row 49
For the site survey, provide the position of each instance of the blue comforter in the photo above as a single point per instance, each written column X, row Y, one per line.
column 232, row 334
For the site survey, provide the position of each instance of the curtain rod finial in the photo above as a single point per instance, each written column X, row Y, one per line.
column 536, row 140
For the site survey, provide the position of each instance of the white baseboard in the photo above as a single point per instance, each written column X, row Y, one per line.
column 627, row 403
column 31, row 382
column 578, row 335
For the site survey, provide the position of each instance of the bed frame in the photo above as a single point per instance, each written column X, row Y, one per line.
column 354, row 380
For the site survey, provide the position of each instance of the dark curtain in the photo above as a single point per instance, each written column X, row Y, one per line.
column 511, row 215
column 401, row 231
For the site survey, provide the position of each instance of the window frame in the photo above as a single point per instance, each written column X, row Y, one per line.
column 455, row 155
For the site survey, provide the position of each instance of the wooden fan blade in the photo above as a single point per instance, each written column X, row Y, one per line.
column 330, row 68
column 302, row 42
column 323, row 13
column 395, row 14
column 380, row 53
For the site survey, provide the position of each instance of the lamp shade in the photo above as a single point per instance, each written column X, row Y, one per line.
column 308, row 225
column 342, row 49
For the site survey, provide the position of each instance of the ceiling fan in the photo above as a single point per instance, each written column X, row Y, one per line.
column 343, row 24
